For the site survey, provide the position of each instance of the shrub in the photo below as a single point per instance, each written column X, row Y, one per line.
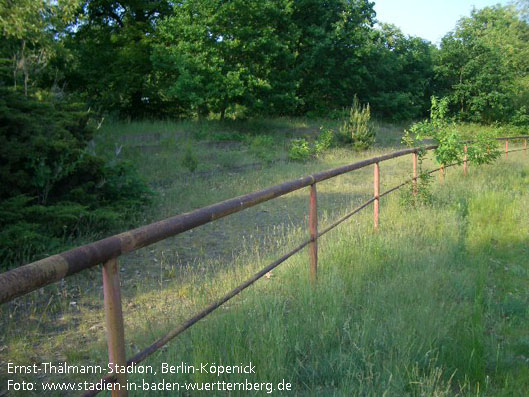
column 484, row 149
column 299, row 150
column 520, row 121
column 325, row 141
column 357, row 129
column 53, row 188
column 302, row 150
column 421, row 193
column 450, row 144
column 521, row 117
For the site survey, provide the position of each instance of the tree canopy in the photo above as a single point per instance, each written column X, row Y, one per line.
column 62, row 61
column 240, row 58
column 483, row 65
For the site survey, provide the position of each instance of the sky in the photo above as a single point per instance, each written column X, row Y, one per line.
column 430, row 20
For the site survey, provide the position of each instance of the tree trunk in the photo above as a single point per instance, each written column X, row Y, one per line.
column 462, row 97
column 223, row 108
column 15, row 70
column 26, row 79
column 137, row 110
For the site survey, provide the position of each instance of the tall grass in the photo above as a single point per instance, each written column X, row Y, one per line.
column 418, row 308
column 434, row 303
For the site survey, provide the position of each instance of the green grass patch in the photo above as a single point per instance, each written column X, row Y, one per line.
column 433, row 303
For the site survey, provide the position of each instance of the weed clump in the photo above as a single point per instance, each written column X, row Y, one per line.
column 324, row 142
column 302, row 150
column 420, row 194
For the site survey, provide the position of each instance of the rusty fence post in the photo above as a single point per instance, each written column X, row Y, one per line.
column 441, row 173
column 506, row 148
column 313, row 229
column 415, row 174
column 465, row 162
column 525, row 146
column 376, row 186
column 114, row 322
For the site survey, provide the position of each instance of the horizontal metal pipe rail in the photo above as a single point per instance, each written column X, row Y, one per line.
column 27, row 278
column 219, row 302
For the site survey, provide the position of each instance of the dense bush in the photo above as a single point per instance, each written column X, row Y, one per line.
column 53, row 188
column 299, row 150
column 520, row 122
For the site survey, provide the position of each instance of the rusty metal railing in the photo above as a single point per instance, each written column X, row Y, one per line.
column 27, row 278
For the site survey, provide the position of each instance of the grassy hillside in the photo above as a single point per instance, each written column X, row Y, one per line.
column 434, row 303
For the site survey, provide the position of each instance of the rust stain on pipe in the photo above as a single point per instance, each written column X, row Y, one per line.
column 199, row 316
column 505, row 138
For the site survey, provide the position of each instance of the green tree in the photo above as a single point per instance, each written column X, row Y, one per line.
column 330, row 46
column 31, row 32
column 112, row 55
column 482, row 65
column 399, row 74
column 213, row 56
column 53, row 185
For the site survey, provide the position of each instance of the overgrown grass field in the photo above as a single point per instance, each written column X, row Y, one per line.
column 433, row 303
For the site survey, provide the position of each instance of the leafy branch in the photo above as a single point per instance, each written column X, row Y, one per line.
column 482, row 149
